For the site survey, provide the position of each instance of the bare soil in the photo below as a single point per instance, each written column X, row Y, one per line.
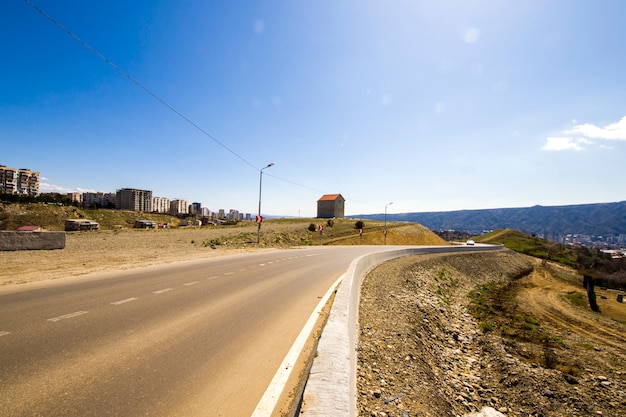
column 449, row 335
column 88, row 252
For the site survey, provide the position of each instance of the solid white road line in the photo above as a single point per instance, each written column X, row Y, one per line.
column 266, row 405
column 127, row 300
column 68, row 316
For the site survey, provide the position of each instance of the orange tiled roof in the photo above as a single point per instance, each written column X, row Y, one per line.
column 329, row 197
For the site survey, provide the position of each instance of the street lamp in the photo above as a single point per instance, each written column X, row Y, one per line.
column 259, row 219
column 385, row 231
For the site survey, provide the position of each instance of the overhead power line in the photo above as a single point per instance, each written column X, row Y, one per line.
column 159, row 99
column 136, row 82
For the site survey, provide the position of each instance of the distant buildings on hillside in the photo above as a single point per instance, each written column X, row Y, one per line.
column 24, row 182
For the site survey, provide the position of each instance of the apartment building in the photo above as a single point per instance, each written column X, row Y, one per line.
column 133, row 199
column 19, row 181
column 179, row 207
column 160, row 204
column 99, row 199
column 195, row 208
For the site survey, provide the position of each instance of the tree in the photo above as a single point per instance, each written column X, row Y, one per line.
column 359, row 225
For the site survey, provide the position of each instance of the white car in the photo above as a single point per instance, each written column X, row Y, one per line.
column 470, row 242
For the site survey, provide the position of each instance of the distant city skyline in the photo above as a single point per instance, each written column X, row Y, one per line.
column 436, row 106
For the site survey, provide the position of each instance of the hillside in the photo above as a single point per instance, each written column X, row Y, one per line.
column 591, row 219
column 106, row 250
column 52, row 217
column 452, row 334
column 606, row 271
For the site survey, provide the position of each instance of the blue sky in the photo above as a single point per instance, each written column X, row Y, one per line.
column 434, row 106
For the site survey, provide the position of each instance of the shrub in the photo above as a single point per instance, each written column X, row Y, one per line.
column 312, row 227
column 359, row 225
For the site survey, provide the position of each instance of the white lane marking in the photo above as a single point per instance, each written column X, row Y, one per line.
column 243, row 269
column 127, row 300
column 228, row 273
column 268, row 402
column 68, row 316
column 261, row 264
column 192, row 283
column 3, row 333
column 213, row 277
column 162, row 291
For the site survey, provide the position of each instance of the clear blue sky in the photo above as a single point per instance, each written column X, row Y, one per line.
column 432, row 105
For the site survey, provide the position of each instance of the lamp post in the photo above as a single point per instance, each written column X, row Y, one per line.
column 259, row 219
column 385, row 230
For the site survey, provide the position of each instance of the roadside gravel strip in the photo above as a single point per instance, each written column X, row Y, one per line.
column 331, row 385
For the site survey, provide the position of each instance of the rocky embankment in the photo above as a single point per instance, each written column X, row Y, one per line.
column 424, row 350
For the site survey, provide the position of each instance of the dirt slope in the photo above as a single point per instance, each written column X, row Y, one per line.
column 446, row 335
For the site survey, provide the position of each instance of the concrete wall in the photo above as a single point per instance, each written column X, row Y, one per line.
column 31, row 240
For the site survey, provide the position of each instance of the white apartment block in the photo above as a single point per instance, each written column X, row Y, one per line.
column 179, row 207
column 19, row 181
column 160, row 204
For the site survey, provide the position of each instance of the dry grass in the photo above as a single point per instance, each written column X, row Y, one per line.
column 87, row 252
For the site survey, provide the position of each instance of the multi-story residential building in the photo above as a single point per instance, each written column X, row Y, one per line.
column 19, row 181
column 206, row 212
column 233, row 215
column 160, row 204
column 99, row 199
column 179, row 207
column 133, row 199
column 195, row 208
column 76, row 198
column 221, row 214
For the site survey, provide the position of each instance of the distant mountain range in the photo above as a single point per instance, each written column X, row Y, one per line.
column 589, row 219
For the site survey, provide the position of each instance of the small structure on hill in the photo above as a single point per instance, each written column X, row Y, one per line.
column 145, row 224
column 331, row 206
column 80, row 224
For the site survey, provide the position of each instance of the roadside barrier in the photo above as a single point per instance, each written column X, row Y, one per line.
column 331, row 384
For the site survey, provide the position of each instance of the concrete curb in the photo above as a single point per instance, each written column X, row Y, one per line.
column 331, row 385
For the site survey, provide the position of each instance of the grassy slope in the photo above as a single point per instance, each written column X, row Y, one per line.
column 280, row 232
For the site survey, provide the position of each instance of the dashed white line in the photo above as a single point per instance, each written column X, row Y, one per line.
column 228, row 273
column 213, row 277
column 192, row 283
column 243, row 269
column 3, row 333
column 127, row 300
column 162, row 291
column 68, row 316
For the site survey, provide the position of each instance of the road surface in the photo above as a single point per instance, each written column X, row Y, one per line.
column 190, row 339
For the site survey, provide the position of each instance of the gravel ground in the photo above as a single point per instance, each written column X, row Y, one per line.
column 422, row 352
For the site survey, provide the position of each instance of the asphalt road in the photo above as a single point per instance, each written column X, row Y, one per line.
column 190, row 339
